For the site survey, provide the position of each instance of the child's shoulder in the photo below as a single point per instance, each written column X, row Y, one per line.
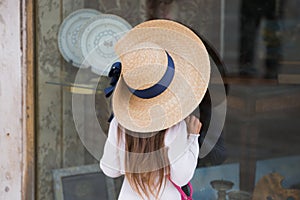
column 174, row 131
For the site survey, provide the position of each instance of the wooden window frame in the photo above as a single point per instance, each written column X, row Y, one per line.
column 28, row 63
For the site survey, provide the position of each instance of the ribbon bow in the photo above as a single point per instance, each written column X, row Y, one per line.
column 114, row 74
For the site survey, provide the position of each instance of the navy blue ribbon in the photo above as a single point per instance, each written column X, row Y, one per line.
column 114, row 74
column 147, row 93
column 160, row 86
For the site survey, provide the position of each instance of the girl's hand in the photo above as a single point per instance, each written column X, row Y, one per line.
column 193, row 125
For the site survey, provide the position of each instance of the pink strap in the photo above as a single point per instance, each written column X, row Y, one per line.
column 183, row 195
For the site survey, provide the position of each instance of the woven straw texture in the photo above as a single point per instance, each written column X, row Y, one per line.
column 143, row 56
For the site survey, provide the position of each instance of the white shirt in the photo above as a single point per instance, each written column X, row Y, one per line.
column 183, row 151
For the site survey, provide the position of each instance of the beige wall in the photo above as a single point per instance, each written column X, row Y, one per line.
column 12, row 117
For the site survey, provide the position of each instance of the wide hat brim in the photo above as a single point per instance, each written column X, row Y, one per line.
column 185, row 92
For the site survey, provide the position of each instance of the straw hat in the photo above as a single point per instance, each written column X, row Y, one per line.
column 165, row 74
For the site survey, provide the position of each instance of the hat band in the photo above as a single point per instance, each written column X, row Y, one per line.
column 160, row 86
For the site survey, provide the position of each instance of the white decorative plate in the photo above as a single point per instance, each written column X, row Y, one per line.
column 68, row 35
column 98, row 39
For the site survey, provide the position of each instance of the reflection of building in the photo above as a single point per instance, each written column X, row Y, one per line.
column 37, row 132
column 252, row 14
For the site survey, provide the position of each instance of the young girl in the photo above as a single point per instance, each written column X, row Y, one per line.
column 153, row 140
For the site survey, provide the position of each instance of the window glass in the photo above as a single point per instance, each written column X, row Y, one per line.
column 256, row 154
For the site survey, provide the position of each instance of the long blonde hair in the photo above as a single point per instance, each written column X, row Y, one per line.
column 140, row 156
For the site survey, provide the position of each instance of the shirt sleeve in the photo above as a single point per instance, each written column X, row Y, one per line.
column 110, row 161
column 183, row 155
